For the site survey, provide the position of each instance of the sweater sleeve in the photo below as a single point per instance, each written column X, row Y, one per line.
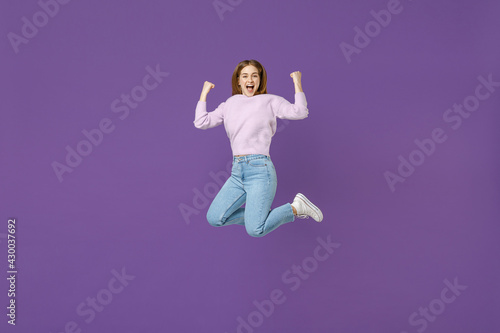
column 283, row 109
column 204, row 119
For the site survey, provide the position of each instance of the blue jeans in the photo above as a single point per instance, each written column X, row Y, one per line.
column 252, row 182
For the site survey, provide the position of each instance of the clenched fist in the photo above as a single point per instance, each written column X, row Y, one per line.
column 206, row 88
column 296, row 76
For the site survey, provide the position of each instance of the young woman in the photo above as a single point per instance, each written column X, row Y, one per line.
column 249, row 117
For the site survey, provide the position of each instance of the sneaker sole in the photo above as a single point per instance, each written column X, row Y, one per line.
column 312, row 206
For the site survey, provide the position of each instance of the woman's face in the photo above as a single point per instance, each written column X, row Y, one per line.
column 249, row 80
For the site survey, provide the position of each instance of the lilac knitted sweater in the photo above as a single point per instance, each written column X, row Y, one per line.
column 250, row 122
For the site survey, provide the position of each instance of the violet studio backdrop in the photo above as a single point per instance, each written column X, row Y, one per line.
column 109, row 181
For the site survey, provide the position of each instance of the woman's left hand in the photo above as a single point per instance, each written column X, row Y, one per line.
column 296, row 76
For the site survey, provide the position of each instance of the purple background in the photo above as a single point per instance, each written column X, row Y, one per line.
column 121, row 207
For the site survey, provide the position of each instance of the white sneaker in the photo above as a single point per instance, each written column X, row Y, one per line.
column 306, row 208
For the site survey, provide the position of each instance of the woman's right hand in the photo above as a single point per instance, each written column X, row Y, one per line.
column 207, row 86
column 206, row 89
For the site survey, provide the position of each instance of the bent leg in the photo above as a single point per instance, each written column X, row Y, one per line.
column 261, row 189
column 226, row 209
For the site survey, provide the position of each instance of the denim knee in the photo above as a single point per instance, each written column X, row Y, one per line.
column 214, row 219
column 255, row 232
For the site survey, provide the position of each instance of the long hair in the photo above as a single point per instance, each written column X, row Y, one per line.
column 262, row 76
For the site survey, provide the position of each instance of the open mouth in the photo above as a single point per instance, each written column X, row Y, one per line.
column 250, row 88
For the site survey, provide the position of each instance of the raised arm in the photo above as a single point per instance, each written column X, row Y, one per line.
column 204, row 119
column 283, row 109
